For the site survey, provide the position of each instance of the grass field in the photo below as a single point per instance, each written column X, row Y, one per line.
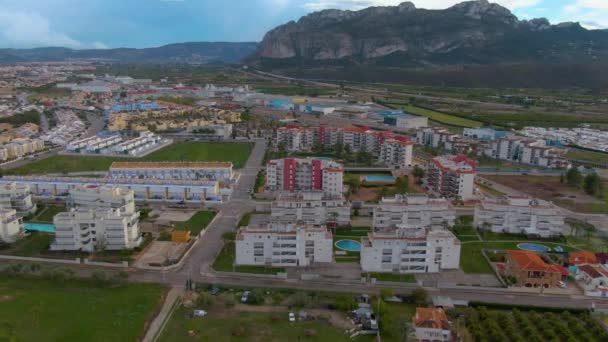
column 31, row 245
column 197, row 222
column 47, row 213
column 596, row 157
column 441, row 117
column 35, row 309
column 237, row 153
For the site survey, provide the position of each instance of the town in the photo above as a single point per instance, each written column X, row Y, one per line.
column 389, row 173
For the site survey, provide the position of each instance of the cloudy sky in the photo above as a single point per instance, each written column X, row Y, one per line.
column 143, row 23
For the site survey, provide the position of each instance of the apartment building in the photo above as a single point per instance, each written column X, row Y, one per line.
column 214, row 171
column 310, row 174
column 409, row 250
column 396, row 153
column 520, row 215
column 451, row 176
column 386, row 147
column 279, row 244
column 18, row 148
column 86, row 229
column 17, row 196
column 432, row 324
column 530, row 270
column 413, row 211
column 484, row 133
column 525, row 151
column 433, row 137
column 94, row 196
column 316, row 208
column 10, row 225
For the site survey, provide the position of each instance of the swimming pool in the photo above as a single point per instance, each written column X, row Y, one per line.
column 39, row 227
column 349, row 245
column 533, row 247
column 379, row 178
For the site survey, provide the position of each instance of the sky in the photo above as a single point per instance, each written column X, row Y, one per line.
column 85, row 24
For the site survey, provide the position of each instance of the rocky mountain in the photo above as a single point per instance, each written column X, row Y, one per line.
column 473, row 32
column 173, row 53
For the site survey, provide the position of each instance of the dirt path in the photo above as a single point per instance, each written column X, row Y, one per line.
column 159, row 321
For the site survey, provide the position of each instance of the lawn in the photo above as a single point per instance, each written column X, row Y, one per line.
column 237, row 153
column 46, row 310
column 349, row 256
column 395, row 277
column 32, row 245
column 590, row 156
column 225, row 263
column 197, row 222
column 441, row 117
column 47, row 213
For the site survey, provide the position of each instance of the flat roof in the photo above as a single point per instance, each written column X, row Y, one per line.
column 169, row 165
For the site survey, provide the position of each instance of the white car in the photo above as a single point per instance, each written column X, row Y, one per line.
column 561, row 284
column 292, row 317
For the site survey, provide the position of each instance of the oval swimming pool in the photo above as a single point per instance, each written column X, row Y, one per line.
column 533, row 247
column 349, row 245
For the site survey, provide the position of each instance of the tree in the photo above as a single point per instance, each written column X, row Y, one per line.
column 593, row 184
column 420, row 297
column 574, row 177
column 346, row 303
column 386, row 293
column 418, row 172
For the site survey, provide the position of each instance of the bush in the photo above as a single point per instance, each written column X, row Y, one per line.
column 204, row 299
column 420, row 297
column 346, row 303
column 99, row 276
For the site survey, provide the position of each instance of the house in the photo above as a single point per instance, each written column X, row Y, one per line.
column 431, row 324
column 581, row 258
column 594, row 279
column 530, row 270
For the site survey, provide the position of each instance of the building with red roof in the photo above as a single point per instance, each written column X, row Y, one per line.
column 581, row 258
column 451, row 176
column 530, row 270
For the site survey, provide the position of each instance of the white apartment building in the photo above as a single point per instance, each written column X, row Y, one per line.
column 10, row 225
column 296, row 138
column 94, row 197
column 17, row 196
column 433, row 137
column 413, row 211
column 525, row 151
column 314, row 208
column 451, row 176
column 520, row 215
column 214, row 171
column 284, row 245
column 310, row 174
column 396, row 153
column 88, row 230
column 410, row 250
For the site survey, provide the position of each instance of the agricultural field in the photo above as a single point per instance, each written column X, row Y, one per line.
column 197, row 222
column 532, row 326
column 237, row 153
column 36, row 309
column 589, row 156
column 442, row 118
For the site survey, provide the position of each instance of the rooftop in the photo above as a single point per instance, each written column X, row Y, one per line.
column 431, row 318
column 530, row 261
column 169, row 165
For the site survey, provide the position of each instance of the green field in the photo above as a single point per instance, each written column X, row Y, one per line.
column 590, row 156
column 33, row 309
column 441, row 117
column 46, row 213
column 32, row 245
column 197, row 222
column 237, row 153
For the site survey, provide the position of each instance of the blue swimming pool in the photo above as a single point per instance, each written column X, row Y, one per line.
column 39, row 227
column 533, row 247
column 379, row 179
column 349, row 245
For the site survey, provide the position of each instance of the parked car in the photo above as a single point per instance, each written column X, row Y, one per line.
column 214, row 291
column 245, row 296
column 200, row 313
column 292, row 317
column 561, row 284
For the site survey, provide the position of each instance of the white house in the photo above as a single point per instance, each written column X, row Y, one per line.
column 280, row 244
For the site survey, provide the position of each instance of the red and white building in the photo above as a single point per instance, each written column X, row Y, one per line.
column 451, row 176
column 310, row 174
column 388, row 148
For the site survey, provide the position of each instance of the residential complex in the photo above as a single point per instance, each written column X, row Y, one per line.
column 14, row 195
column 10, row 225
column 413, row 210
column 434, row 137
column 315, row 208
column 310, row 174
column 214, row 171
column 19, row 148
column 100, row 218
column 484, row 133
column 279, row 244
column 589, row 138
column 520, row 215
column 451, row 176
column 529, row 270
column 432, row 324
column 386, row 148
column 115, row 144
column 410, row 250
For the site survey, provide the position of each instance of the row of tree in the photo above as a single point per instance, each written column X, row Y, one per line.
column 591, row 183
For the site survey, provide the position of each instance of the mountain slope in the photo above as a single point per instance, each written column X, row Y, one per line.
column 474, row 32
column 179, row 53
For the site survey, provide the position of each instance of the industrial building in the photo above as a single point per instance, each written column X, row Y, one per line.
column 400, row 119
